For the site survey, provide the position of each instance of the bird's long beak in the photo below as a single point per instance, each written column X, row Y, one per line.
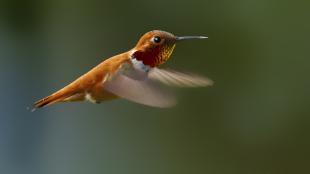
column 180, row 38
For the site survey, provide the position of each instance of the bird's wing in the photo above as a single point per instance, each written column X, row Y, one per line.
column 178, row 79
column 140, row 90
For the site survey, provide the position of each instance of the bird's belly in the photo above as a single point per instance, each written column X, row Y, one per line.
column 98, row 94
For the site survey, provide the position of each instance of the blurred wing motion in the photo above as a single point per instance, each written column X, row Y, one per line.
column 178, row 79
column 142, row 87
column 142, row 91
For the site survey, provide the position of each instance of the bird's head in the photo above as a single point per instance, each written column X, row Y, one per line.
column 155, row 47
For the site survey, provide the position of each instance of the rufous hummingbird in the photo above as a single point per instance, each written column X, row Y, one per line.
column 133, row 75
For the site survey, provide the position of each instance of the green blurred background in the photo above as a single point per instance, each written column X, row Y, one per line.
column 255, row 119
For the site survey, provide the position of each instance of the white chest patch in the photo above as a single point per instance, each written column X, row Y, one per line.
column 139, row 65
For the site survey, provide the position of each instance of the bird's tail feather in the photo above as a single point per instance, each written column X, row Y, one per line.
column 56, row 97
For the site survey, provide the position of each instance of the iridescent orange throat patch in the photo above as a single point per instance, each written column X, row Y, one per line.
column 155, row 56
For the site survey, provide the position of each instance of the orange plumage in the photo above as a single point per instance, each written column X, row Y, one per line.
column 131, row 75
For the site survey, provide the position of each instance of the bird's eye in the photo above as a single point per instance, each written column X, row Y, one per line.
column 156, row 39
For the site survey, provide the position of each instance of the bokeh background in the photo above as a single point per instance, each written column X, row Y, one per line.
column 255, row 119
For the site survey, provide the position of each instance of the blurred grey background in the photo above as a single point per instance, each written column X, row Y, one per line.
column 255, row 119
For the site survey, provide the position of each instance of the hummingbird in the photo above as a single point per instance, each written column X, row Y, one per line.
column 134, row 75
